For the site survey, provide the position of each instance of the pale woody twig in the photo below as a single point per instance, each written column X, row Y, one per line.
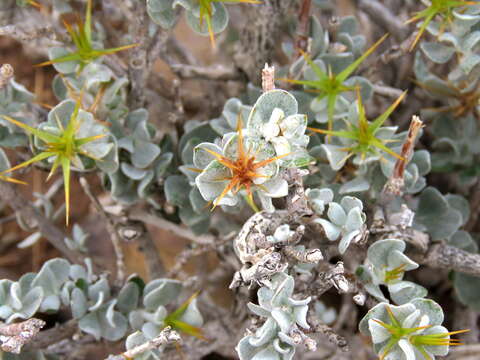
column 166, row 336
column 397, row 180
column 171, row 227
column 6, row 73
column 219, row 72
column 268, row 78
column 14, row 336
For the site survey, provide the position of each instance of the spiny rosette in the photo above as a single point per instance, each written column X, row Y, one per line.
column 69, row 136
column 87, row 48
column 363, row 140
column 411, row 331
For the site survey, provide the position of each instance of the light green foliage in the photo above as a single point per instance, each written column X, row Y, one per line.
column 142, row 163
column 441, row 216
column 152, row 316
column 284, row 316
column 346, row 220
column 101, row 310
column 408, row 332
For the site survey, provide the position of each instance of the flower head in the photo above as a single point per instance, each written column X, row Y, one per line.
column 243, row 164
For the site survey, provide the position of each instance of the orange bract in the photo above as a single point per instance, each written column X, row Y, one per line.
column 244, row 169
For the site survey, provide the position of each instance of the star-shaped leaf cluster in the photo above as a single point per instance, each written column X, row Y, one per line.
column 64, row 148
column 440, row 8
column 363, row 135
column 331, row 85
column 82, row 39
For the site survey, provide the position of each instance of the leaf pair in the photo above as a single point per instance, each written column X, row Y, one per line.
column 82, row 38
column 64, row 148
column 364, row 134
column 331, row 85
column 206, row 13
column 442, row 8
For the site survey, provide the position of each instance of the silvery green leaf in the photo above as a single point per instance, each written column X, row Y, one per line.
column 97, row 325
column 437, row 52
column 258, row 310
column 176, row 190
column 463, row 240
column 358, row 184
column 78, row 303
column 346, row 240
column 144, row 154
column 379, row 251
column 276, row 187
column 435, row 213
column 283, row 319
column 136, row 319
column 132, row 172
column 266, row 103
column 128, row 297
column 332, row 231
column 405, row 291
column 245, row 350
column 268, row 353
column 461, row 204
column 467, row 288
column 66, row 67
column 160, row 292
column 421, row 158
column 211, row 187
column 201, row 157
column 431, row 309
column 50, row 303
column 162, row 164
column 355, row 219
column 336, row 155
column 29, row 240
column 199, row 223
column 98, row 288
column 300, row 316
column 135, row 339
column 161, row 12
column 192, row 315
column 52, row 276
column 219, row 20
column 336, row 214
